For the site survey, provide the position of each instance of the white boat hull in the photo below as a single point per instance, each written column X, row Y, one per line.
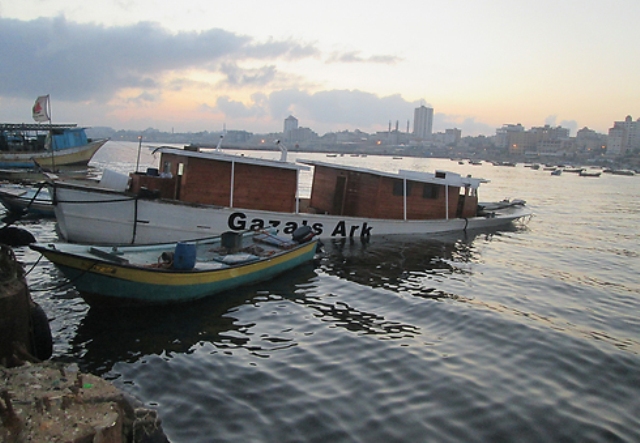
column 107, row 217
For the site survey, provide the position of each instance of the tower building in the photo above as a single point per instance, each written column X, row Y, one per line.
column 423, row 122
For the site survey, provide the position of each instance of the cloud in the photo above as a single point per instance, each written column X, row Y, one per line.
column 468, row 125
column 87, row 66
column 238, row 110
column 240, row 77
column 325, row 110
column 76, row 61
column 355, row 57
column 572, row 125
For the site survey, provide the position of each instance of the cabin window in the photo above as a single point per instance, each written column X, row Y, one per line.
column 166, row 167
column 398, row 188
column 430, row 191
column 180, row 169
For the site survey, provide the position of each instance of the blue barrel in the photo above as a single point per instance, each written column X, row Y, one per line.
column 184, row 257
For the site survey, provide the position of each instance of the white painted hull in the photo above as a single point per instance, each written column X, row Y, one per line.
column 107, row 217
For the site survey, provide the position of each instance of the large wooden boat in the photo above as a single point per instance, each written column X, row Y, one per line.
column 198, row 194
column 45, row 145
column 177, row 272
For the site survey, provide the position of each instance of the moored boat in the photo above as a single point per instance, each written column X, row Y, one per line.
column 196, row 194
column 628, row 172
column 177, row 272
column 44, row 145
column 27, row 200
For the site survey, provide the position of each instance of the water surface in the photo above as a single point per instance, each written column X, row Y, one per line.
column 527, row 334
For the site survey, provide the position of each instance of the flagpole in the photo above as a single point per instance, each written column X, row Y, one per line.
column 53, row 158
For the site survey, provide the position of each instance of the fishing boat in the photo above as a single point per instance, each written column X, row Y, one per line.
column 177, row 272
column 32, row 201
column 628, row 172
column 585, row 173
column 198, row 194
column 48, row 146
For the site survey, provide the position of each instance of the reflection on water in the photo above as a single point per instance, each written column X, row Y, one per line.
column 409, row 264
column 108, row 335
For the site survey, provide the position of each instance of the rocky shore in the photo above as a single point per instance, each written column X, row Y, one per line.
column 46, row 401
column 54, row 402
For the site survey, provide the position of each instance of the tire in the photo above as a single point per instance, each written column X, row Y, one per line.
column 42, row 338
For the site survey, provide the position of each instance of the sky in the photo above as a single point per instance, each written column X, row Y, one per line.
column 205, row 65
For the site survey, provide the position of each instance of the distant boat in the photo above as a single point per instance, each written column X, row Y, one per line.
column 585, row 173
column 26, row 145
column 556, row 172
column 177, row 272
column 44, row 144
column 620, row 172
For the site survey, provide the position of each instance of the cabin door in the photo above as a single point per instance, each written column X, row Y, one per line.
column 460, row 209
column 338, row 196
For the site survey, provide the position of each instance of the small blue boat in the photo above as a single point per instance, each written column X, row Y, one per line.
column 177, row 272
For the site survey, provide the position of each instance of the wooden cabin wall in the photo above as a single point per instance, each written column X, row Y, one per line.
column 165, row 186
column 340, row 192
column 369, row 195
column 205, row 181
column 362, row 194
column 323, row 189
column 265, row 188
column 470, row 208
column 419, row 207
column 208, row 181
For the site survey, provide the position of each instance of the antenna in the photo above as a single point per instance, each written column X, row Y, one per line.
column 283, row 150
column 219, row 145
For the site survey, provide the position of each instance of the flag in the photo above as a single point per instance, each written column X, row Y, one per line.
column 41, row 109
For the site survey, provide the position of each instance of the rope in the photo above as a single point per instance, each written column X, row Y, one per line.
column 34, row 265
column 77, row 202
column 69, row 282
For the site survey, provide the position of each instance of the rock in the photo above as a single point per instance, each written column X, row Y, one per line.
column 53, row 402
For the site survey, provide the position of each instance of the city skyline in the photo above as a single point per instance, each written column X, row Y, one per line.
column 247, row 66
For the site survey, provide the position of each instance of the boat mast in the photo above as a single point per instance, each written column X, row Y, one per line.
column 139, row 148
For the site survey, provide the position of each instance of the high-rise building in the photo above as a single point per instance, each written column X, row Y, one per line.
column 290, row 124
column 623, row 137
column 423, row 122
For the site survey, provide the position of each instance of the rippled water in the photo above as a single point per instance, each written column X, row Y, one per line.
column 530, row 334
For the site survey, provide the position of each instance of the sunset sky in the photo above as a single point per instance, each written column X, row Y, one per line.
column 198, row 65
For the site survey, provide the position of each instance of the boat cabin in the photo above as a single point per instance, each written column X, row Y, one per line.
column 38, row 137
column 406, row 195
column 215, row 178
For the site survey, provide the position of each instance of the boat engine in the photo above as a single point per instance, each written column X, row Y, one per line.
column 303, row 234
